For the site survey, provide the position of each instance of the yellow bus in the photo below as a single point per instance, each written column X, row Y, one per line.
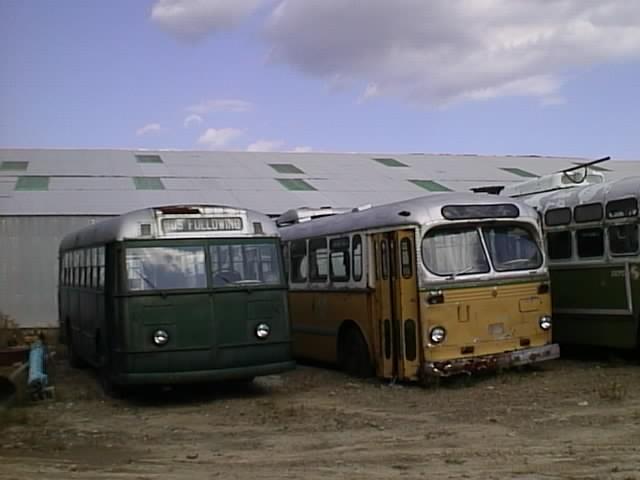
column 420, row 289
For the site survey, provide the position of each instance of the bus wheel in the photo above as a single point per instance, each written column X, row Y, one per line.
column 72, row 356
column 353, row 354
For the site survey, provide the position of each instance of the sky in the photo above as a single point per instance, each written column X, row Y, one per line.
column 546, row 77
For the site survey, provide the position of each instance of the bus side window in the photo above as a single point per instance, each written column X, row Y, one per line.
column 559, row 245
column 299, row 261
column 101, row 268
column 590, row 242
column 339, row 265
column 356, row 257
column 384, row 257
column 318, row 260
column 405, row 258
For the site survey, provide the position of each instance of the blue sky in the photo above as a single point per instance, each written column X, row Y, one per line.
column 551, row 77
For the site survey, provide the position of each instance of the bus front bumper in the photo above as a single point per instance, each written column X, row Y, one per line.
column 498, row 361
column 200, row 376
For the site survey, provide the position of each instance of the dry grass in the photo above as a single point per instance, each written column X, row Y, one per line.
column 13, row 416
column 612, row 391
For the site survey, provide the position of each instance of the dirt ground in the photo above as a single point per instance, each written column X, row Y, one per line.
column 571, row 419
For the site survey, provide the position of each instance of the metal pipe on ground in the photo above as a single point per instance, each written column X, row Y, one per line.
column 38, row 379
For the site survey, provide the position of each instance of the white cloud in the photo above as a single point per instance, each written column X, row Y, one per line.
column 265, row 146
column 220, row 105
column 444, row 51
column 213, row 138
column 302, row 149
column 369, row 92
column 195, row 19
column 149, row 128
column 192, row 119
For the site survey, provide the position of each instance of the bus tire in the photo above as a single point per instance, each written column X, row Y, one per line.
column 353, row 353
column 72, row 356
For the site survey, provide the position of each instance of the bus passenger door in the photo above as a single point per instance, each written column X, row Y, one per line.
column 383, row 308
column 406, row 303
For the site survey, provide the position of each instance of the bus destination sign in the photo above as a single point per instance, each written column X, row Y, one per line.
column 201, row 224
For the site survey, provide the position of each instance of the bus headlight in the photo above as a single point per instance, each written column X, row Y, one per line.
column 437, row 334
column 263, row 330
column 545, row 322
column 160, row 337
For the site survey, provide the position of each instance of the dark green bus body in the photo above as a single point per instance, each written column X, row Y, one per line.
column 211, row 330
column 592, row 237
column 597, row 305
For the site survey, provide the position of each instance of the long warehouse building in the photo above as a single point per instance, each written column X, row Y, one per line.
column 47, row 193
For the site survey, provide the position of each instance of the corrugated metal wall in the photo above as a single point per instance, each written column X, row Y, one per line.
column 29, row 266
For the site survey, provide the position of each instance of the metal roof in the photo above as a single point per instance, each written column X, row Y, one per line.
column 417, row 211
column 599, row 193
column 101, row 182
column 128, row 225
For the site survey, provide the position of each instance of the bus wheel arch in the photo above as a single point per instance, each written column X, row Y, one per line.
column 353, row 353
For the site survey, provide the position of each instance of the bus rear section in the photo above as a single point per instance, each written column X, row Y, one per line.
column 193, row 312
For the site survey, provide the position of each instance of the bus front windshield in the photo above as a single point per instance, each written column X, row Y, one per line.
column 460, row 251
column 184, row 267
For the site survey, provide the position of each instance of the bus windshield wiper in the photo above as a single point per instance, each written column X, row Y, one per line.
column 461, row 272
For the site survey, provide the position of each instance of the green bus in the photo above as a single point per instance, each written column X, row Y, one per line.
column 592, row 241
column 175, row 294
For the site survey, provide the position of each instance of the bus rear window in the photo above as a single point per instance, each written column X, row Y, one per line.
column 588, row 213
column 454, row 251
column 559, row 245
column 165, row 268
column 623, row 239
column 590, row 242
column 626, row 207
column 557, row 216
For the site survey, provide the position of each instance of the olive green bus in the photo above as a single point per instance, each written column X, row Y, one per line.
column 175, row 294
column 592, row 241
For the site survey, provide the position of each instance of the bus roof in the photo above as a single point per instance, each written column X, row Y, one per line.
column 417, row 211
column 599, row 193
column 174, row 222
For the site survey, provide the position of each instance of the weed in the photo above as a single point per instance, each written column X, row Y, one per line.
column 13, row 416
column 614, row 391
